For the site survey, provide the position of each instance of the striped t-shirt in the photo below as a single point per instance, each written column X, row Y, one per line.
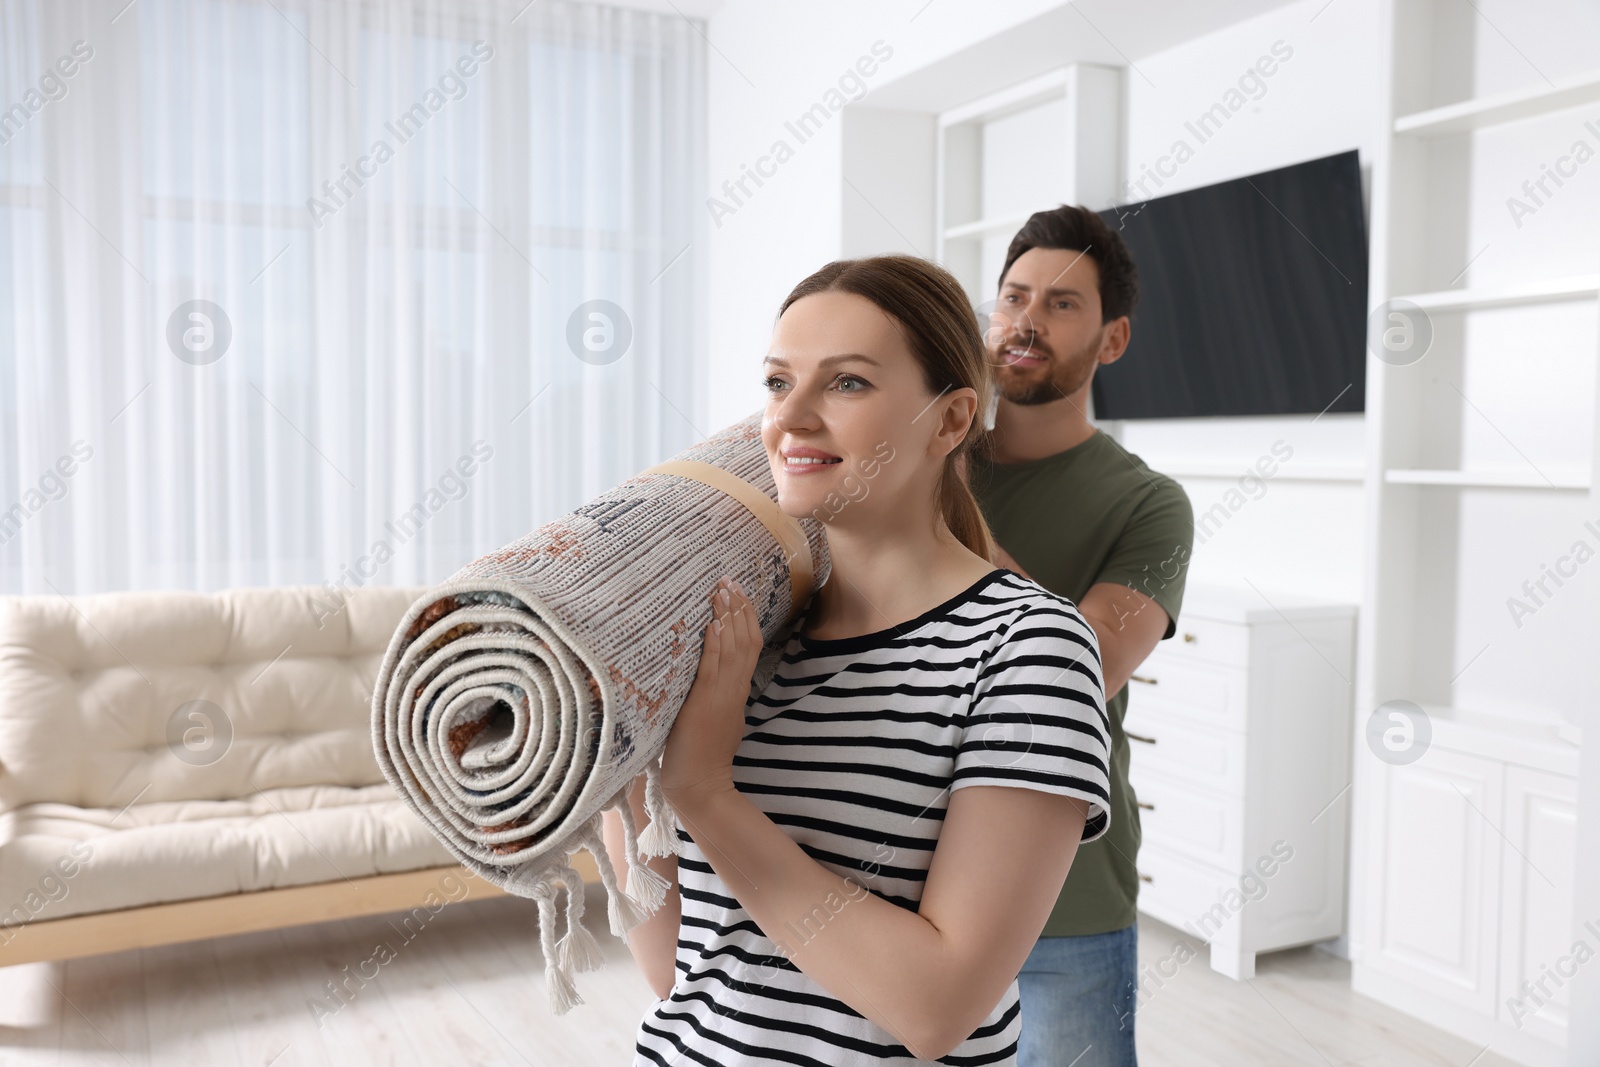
column 853, row 748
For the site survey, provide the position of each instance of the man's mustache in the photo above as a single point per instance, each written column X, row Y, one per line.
column 1033, row 345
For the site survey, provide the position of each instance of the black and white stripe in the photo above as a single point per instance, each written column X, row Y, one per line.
column 853, row 749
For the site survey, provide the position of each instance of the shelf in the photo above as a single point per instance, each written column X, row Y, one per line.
column 1486, row 479
column 1007, row 101
column 1545, row 743
column 1547, row 291
column 984, row 227
column 1501, row 108
column 1242, row 605
column 1231, row 471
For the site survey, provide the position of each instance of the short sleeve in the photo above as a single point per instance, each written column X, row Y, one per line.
column 1038, row 713
column 1151, row 555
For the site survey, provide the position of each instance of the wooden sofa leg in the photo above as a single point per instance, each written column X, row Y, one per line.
column 240, row 913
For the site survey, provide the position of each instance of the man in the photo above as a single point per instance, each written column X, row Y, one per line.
column 1088, row 520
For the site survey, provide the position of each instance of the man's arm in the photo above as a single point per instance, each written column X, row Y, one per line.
column 1128, row 624
column 1151, row 554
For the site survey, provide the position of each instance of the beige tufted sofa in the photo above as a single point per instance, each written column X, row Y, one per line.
column 179, row 765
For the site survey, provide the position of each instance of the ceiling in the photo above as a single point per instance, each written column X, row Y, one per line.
column 1115, row 33
column 693, row 9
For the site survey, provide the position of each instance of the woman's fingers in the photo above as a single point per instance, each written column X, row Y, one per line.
column 715, row 641
column 751, row 626
column 734, row 631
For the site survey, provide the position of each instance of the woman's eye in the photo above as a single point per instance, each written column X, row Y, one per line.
column 773, row 384
column 849, row 383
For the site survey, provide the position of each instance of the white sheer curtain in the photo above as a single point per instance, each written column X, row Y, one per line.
column 396, row 214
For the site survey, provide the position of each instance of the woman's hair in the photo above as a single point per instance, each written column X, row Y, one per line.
column 941, row 329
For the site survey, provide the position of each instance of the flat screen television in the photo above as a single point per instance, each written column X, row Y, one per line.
column 1252, row 298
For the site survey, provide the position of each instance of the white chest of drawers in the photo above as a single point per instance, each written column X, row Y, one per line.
column 1239, row 728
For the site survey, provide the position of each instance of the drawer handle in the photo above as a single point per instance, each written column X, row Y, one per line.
column 1140, row 737
column 1146, row 679
column 1145, row 877
column 1188, row 639
column 1147, row 807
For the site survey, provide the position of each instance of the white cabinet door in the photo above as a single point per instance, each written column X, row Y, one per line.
column 1537, row 961
column 1436, row 882
column 1183, row 818
column 1177, row 746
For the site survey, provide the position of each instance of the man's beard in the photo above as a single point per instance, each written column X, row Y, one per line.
column 1064, row 377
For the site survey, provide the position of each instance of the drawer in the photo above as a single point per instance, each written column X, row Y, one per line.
column 1180, row 817
column 1207, row 640
column 1176, row 746
column 1196, row 692
column 1179, row 891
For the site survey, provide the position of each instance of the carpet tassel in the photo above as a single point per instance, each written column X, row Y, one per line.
column 578, row 949
column 622, row 914
column 558, row 981
column 660, row 838
column 647, row 888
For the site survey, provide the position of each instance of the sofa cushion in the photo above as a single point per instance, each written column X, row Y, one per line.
column 150, row 697
column 57, row 860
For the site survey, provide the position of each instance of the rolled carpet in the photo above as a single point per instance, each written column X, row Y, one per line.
column 518, row 699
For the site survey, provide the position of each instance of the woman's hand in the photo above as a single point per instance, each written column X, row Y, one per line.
column 698, row 758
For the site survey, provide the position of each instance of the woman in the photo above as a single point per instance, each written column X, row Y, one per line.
column 872, row 843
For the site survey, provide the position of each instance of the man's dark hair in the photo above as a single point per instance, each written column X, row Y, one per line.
column 1077, row 229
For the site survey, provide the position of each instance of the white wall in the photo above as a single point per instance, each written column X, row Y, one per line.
column 1279, row 533
column 1300, row 533
column 772, row 62
column 769, row 64
column 1319, row 101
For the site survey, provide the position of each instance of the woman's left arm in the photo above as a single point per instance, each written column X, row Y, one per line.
column 928, row 977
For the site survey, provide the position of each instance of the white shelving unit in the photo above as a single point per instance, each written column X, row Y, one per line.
column 1486, row 479
column 1230, row 472
column 1494, row 110
column 1066, row 125
column 1543, row 291
column 1463, row 861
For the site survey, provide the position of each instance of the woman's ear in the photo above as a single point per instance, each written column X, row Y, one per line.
column 958, row 408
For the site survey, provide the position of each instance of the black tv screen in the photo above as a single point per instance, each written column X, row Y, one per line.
column 1252, row 298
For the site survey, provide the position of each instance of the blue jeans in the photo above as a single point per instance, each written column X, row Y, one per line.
column 1078, row 997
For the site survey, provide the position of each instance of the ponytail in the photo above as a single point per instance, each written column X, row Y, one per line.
column 961, row 513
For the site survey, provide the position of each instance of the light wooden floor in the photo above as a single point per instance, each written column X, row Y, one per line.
column 468, row 990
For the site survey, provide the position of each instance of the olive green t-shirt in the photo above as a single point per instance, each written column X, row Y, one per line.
column 1095, row 513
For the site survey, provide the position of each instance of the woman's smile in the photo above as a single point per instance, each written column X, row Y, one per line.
column 799, row 460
